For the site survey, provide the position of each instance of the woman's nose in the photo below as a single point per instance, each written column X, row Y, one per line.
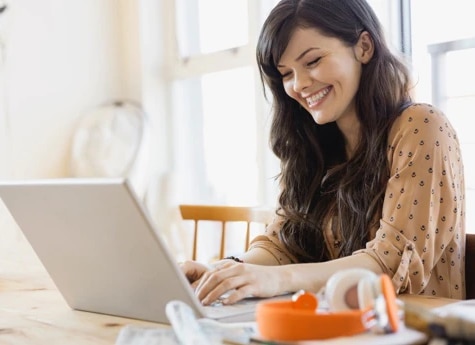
column 301, row 81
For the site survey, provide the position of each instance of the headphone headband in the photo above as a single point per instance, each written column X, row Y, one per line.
column 299, row 318
column 281, row 321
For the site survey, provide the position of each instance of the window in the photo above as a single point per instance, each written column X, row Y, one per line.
column 216, row 137
column 200, row 30
column 219, row 116
column 442, row 56
column 219, row 119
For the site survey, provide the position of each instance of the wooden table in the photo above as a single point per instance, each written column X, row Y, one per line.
column 32, row 311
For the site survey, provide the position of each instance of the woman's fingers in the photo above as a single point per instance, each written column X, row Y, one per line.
column 222, row 279
column 238, row 294
column 193, row 270
column 237, row 281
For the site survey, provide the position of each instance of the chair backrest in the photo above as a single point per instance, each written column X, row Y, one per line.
column 470, row 266
column 225, row 215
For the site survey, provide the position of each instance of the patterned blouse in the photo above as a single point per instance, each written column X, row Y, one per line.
column 420, row 241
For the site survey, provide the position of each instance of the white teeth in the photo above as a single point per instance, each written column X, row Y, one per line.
column 318, row 96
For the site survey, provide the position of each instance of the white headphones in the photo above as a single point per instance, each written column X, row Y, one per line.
column 340, row 284
column 358, row 300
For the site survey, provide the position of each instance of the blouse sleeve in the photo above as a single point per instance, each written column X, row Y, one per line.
column 423, row 205
column 271, row 243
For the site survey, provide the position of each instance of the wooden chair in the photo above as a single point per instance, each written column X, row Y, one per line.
column 470, row 266
column 225, row 215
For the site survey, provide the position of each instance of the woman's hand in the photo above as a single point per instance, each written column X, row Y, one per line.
column 193, row 271
column 239, row 280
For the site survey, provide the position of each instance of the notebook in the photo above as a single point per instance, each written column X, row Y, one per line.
column 100, row 247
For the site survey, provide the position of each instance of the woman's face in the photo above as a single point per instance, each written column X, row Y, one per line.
column 322, row 74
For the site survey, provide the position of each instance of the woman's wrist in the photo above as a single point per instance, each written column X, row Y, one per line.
column 233, row 258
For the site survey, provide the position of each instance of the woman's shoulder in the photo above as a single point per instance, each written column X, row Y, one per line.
column 420, row 118
column 421, row 112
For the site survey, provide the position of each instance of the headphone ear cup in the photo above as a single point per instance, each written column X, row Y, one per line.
column 340, row 283
column 368, row 289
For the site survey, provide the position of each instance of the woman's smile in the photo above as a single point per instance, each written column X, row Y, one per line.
column 317, row 98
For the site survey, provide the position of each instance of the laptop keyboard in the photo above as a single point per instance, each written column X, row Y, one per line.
column 244, row 307
column 218, row 310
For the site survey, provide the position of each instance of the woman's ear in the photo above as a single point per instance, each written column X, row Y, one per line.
column 364, row 48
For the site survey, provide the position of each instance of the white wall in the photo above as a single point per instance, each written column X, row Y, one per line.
column 61, row 58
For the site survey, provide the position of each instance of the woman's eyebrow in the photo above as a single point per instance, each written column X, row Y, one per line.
column 301, row 55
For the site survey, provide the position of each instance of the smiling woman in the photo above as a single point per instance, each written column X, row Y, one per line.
column 369, row 178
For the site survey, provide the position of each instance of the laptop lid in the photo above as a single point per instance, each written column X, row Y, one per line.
column 98, row 244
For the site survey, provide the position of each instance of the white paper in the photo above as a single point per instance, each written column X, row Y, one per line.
column 135, row 335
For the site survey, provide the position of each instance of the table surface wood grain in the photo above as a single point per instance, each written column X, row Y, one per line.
column 32, row 311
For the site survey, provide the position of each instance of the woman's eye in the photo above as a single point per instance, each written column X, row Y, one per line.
column 285, row 75
column 313, row 62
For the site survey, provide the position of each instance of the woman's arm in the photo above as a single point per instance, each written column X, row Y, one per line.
column 245, row 280
column 313, row 276
column 421, row 236
column 267, row 249
column 259, row 256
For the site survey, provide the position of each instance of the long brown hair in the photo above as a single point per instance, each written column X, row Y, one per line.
column 318, row 181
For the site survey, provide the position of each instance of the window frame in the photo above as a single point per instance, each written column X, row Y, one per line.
column 177, row 68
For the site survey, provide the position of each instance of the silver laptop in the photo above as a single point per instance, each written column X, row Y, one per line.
column 100, row 247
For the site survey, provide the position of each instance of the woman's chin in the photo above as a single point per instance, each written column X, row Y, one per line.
column 319, row 118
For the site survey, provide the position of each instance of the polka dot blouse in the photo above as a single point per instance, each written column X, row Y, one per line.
column 420, row 241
